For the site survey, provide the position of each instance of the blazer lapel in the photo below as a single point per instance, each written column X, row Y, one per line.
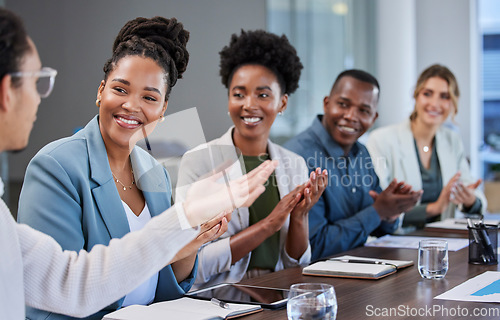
column 105, row 194
column 408, row 157
column 150, row 179
column 283, row 189
column 111, row 209
column 157, row 202
column 445, row 156
column 228, row 151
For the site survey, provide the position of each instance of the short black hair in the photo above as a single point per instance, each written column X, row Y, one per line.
column 163, row 40
column 14, row 44
column 359, row 75
column 263, row 48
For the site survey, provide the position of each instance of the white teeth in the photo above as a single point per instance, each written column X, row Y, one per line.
column 348, row 129
column 251, row 120
column 128, row 121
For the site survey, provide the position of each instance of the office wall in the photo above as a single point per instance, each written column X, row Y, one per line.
column 412, row 35
column 75, row 37
column 447, row 33
column 396, row 58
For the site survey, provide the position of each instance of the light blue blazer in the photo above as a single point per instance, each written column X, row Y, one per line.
column 69, row 193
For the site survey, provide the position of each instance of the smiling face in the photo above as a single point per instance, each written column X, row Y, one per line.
column 433, row 103
column 254, row 101
column 350, row 110
column 26, row 101
column 132, row 100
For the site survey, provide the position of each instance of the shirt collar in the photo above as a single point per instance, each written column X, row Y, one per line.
column 331, row 146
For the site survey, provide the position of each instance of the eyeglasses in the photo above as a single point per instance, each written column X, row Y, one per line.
column 46, row 78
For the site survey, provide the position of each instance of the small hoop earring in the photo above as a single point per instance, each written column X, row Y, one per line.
column 98, row 103
column 162, row 118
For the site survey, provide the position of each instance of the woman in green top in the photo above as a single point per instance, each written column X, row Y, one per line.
column 260, row 70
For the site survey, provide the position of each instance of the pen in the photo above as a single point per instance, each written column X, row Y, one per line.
column 483, row 235
column 365, row 261
column 219, row 303
column 477, row 239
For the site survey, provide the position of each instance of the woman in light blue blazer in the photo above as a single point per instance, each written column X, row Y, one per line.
column 97, row 185
column 427, row 155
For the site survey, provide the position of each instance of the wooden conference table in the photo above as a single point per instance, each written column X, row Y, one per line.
column 405, row 290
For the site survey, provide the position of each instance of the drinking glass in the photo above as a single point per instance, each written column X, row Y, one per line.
column 433, row 258
column 308, row 301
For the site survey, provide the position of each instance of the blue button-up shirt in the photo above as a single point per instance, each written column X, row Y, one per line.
column 344, row 217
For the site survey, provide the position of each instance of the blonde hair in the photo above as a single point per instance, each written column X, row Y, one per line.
column 437, row 70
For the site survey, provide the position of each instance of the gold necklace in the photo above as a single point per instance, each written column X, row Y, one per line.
column 124, row 186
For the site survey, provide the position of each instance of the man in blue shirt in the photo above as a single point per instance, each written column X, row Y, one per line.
column 353, row 206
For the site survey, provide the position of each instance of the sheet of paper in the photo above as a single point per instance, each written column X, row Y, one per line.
column 482, row 288
column 411, row 242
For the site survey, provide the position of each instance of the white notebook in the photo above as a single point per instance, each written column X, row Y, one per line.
column 355, row 267
column 183, row 308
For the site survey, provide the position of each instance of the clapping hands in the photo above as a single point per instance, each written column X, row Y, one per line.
column 456, row 192
column 207, row 197
column 461, row 194
column 299, row 201
column 398, row 197
column 311, row 192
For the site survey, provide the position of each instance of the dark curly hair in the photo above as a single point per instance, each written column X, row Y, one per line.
column 263, row 48
column 163, row 40
column 14, row 44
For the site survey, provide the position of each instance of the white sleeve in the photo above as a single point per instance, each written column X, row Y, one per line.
column 463, row 167
column 305, row 258
column 79, row 284
column 381, row 159
column 213, row 258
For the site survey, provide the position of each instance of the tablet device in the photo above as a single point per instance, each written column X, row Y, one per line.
column 267, row 297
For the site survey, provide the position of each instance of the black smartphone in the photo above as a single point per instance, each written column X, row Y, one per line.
column 271, row 298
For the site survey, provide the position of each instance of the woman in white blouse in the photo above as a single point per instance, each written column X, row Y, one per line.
column 426, row 154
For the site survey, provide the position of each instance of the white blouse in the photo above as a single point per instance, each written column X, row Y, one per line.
column 145, row 293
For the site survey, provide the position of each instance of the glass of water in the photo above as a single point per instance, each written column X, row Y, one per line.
column 308, row 301
column 433, row 258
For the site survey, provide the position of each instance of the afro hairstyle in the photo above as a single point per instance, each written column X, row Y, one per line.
column 262, row 48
